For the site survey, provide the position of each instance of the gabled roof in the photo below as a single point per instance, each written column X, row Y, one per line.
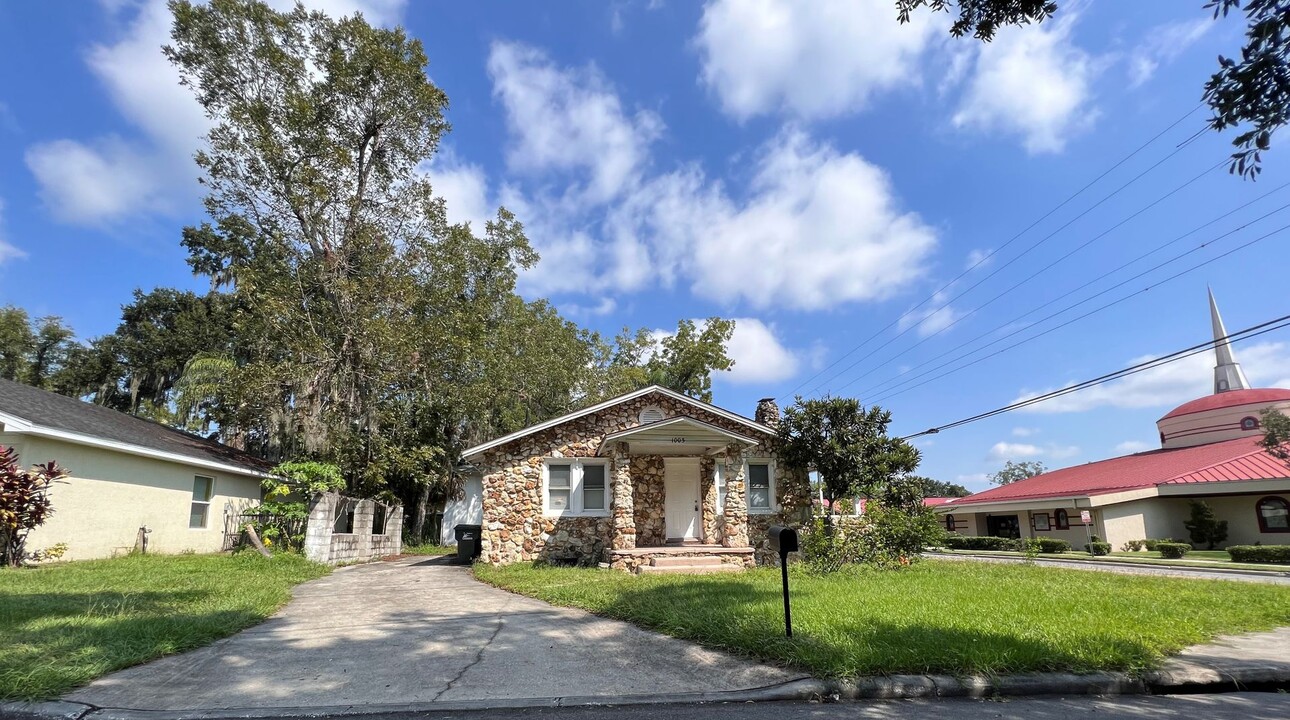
column 626, row 397
column 657, row 432
column 1228, row 461
column 31, row 410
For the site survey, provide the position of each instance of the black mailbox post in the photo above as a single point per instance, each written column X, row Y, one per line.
column 783, row 540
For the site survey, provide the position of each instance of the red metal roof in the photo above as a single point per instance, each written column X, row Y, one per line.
column 1232, row 398
column 1231, row 460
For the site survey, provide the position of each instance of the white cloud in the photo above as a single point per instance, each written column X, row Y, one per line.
column 1031, row 81
column 464, row 188
column 1162, row 45
column 862, row 245
column 932, row 317
column 1133, row 446
column 814, row 59
column 1024, row 431
column 600, row 309
column 568, row 119
column 648, row 230
column 1169, row 385
column 974, row 481
column 7, row 252
column 1014, row 451
column 108, row 179
column 759, row 355
column 977, row 257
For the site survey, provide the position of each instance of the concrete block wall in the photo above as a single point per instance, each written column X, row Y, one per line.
column 323, row 544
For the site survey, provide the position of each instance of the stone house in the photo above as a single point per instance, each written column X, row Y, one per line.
column 648, row 481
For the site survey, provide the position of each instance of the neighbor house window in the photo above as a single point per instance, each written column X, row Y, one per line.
column 378, row 519
column 577, row 487
column 1249, row 423
column 1061, row 520
column 1274, row 515
column 761, row 488
column 200, row 510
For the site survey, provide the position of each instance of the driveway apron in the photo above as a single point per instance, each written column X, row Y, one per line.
column 420, row 630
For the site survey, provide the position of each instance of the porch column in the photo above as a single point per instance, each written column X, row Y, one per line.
column 736, row 510
column 621, row 508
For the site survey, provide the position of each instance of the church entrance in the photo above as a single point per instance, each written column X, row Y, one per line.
column 1005, row 526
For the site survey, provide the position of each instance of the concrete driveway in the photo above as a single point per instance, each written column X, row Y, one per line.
column 416, row 631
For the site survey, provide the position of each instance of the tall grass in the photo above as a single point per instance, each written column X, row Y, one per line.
column 936, row 617
column 63, row 625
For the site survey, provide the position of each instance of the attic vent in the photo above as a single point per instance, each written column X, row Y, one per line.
column 651, row 415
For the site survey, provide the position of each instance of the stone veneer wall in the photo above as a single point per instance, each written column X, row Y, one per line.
column 647, row 499
column 515, row 528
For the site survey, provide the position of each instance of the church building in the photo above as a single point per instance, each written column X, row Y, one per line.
column 1209, row 450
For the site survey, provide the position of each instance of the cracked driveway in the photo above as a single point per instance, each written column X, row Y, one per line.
column 418, row 630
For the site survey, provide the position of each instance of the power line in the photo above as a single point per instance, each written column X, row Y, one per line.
column 1175, row 276
column 1070, row 292
column 992, row 253
column 1246, row 334
column 1023, row 281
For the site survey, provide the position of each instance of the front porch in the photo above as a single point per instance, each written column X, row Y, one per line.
column 677, row 497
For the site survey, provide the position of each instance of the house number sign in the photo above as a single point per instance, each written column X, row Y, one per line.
column 678, row 441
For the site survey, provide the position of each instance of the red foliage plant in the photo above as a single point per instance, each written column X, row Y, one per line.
column 24, row 503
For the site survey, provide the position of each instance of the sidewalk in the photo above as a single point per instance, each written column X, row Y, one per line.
column 1270, row 577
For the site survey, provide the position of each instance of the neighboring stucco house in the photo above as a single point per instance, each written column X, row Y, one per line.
column 126, row 473
column 1209, row 451
column 651, row 479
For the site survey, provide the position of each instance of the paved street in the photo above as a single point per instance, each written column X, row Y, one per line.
column 416, row 631
column 1242, row 706
column 1157, row 570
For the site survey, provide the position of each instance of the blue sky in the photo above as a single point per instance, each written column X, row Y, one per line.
column 813, row 170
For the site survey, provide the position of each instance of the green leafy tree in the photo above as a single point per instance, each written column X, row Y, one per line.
column 847, row 445
column 1276, row 433
column 24, row 503
column 1251, row 91
column 686, row 359
column 34, row 352
column 1013, row 471
column 1204, row 527
column 939, row 488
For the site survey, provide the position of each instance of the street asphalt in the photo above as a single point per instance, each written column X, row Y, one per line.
column 1235, row 706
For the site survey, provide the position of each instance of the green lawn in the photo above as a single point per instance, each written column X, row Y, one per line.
column 944, row 617
column 63, row 625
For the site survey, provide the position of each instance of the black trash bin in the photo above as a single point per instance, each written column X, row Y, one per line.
column 468, row 547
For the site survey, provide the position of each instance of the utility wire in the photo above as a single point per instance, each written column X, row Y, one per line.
column 887, row 395
column 1246, row 334
column 992, row 253
column 1103, row 276
column 1026, row 279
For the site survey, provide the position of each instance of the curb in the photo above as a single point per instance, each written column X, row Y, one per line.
column 892, row 687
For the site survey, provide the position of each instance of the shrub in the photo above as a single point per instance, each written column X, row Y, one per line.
column 1204, row 527
column 1028, row 546
column 1150, row 545
column 24, row 503
column 826, row 546
column 973, row 542
column 1260, row 553
column 894, row 537
column 1173, row 550
column 1053, row 545
column 1097, row 547
column 1134, row 545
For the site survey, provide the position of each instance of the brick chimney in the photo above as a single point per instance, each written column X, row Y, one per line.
column 767, row 412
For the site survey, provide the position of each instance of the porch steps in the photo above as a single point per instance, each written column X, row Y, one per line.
column 698, row 565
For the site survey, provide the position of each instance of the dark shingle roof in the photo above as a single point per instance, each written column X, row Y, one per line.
column 59, row 412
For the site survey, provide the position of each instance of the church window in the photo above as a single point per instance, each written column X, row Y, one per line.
column 1274, row 515
column 1249, row 423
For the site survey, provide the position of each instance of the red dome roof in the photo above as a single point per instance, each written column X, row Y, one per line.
column 1232, row 398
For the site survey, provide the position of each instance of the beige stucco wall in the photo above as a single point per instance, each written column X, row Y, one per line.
column 1211, row 426
column 99, row 509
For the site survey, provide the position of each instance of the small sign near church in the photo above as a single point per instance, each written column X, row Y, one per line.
column 1085, row 516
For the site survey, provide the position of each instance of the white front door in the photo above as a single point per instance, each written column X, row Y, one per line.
column 681, row 498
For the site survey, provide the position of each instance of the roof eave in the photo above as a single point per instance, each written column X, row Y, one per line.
column 132, row 449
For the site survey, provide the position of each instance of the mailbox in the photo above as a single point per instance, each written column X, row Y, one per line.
column 783, row 540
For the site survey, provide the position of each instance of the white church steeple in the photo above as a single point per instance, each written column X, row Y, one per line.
column 1227, row 372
